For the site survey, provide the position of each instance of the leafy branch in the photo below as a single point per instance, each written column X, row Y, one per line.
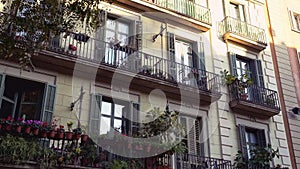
column 26, row 26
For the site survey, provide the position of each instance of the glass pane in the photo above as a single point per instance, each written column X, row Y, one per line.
column 31, row 96
column 123, row 39
column 123, row 28
column 6, row 109
column 104, row 125
column 110, row 36
column 29, row 110
column 111, row 24
column 106, row 108
column 118, row 125
column 118, row 110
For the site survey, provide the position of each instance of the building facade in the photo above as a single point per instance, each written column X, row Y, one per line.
column 286, row 53
column 158, row 53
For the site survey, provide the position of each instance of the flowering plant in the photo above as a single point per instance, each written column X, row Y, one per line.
column 33, row 123
column 69, row 124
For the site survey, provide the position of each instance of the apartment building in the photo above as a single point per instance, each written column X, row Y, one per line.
column 158, row 53
column 285, row 44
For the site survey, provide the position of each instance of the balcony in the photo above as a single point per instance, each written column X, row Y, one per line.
column 253, row 101
column 243, row 33
column 195, row 161
column 147, row 71
column 184, row 12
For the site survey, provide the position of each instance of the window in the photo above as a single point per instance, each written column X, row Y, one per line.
column 118, row 38
column 109, row 114
column 185, row 56
column 237, row 11
column 240, row 65
column 295, row 21
column 21, row 97
column 192, row 139
column 250, row 138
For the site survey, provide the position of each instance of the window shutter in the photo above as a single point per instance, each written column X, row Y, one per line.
column 100, row 44
column 243, row 143
column 202, row 57
column 259, row 73
column 134, row 125
column 232, row 59
column 171, row 55
column 95, row 115
column 138, row 35
column 48, row 103
column 261, row 138
column 2, row 87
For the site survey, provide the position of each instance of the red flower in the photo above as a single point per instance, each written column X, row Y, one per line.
column 72, row 47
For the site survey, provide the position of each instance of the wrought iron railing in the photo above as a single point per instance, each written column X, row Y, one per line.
column 188, row 161
column 242, row 29
column 124, row 57
column 185, row 7
column 254, row 94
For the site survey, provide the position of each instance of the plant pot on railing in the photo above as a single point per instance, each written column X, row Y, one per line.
column 27, row 129
column 69, row 135
column 60, row 135
column 43, row 134
column 51, row 134
column 84, row 137
column 18, row 129
column 35, row 131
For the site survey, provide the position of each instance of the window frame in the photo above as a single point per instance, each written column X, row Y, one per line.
column 95, row 115
column 295, row 21
column 45, row 104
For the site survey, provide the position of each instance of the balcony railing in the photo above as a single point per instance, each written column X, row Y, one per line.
column 195, row 161
column 185, row 7
column 254, row 94
column 126, row 58
column 243, row 29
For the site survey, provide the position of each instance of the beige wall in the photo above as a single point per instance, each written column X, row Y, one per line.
column 284, row 38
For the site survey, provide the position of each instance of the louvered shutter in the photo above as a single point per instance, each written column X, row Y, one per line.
column 2, row 87
column 243, row 143
column 259, row 73
column 48, row 103
column 232, row 59
column 171, row 55
column 138, row 45
column 95, row 115
column 134, row 125
column 100, row 44
column 261, row 138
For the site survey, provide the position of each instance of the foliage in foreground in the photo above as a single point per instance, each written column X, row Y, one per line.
column 27, row 25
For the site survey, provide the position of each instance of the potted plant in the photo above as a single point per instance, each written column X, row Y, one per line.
column 69, row 134
column 240, row 83
column 60, row 132
column 18, row 125
column 84, row 136
column 261, row 157
column 77, row 133
column 44, row 130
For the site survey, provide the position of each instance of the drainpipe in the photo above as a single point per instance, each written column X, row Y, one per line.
column 279, row 88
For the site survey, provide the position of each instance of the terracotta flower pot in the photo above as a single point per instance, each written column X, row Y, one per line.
column 18, row 129
column 43, row 134
column 84, row 137
column 35, row 131
column 27, row 130
column 76, row 136
column 60, row 135
column 51, row 134
column 69, row 135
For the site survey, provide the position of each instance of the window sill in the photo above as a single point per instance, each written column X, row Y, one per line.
column 295, row 30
